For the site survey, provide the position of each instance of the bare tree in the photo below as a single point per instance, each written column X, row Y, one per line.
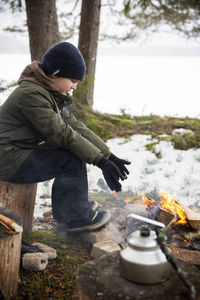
column 88, row 42
column 147, row 15
column 42, row 26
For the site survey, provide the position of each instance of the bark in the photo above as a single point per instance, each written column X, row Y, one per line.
column 88, row 42
column 42, row 24
column 10, row 250
column 21, row 199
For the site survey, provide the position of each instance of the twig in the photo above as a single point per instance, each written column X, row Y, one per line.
column 180, row 272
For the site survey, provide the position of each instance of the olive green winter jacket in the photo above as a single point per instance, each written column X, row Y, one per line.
column 32, row 114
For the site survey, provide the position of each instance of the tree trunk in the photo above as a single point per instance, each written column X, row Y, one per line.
column 42, row 24
column 88, row 42
column 21, row 199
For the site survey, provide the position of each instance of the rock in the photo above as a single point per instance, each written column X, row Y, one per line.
column 109, row 233
column 35, row 261
column 101, row 279
column 49, row 251
column 102, row 248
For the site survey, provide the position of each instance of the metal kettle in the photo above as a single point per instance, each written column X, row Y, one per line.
column 142, row 261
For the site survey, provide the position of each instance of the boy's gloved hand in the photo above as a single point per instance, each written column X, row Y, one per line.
column 111, row 174
column 120, row 164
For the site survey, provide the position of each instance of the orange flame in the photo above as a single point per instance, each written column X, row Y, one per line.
column 168, row 203
column 128, row 199
column 149, row 202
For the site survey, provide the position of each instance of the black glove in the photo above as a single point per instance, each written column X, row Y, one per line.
column 120, row 164
column 111, row 174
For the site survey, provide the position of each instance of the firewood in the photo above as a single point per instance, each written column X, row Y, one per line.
column 191, row 235
column 190, row 256
column 193, row 218
column 166, row 217
column 9, row 223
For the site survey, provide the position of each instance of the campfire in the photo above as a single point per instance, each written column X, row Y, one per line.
column 178, row 239
column 170, row 208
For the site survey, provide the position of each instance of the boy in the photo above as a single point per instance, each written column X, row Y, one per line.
column 40, row 139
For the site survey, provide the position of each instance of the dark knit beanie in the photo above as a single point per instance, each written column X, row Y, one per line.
column 64, row 60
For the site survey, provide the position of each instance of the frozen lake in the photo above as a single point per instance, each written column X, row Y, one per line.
column 141, row 85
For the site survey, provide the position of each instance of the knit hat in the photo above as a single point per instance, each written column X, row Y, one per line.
column 64, row 60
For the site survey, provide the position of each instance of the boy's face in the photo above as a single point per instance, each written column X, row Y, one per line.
column 65, row 85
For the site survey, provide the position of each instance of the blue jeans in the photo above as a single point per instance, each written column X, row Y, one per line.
column 70, row 187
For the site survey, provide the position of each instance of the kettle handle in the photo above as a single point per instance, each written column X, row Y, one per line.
column 140, row 218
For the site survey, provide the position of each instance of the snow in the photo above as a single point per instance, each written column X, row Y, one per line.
column 176, row 172
column 181, row 131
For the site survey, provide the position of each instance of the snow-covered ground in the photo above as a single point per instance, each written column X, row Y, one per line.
column 177, row 171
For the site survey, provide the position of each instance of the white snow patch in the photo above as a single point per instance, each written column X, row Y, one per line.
column 181, row 131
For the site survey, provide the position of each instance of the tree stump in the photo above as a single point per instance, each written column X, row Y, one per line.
column 10, row 250
column 21, row 199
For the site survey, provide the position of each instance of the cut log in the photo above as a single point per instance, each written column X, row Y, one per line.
column 10, row 250
column 191, row 235
column 193, row 218
column 166, row 217
column 21, row 199
column 189, row 256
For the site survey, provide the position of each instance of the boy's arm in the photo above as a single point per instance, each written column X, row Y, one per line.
column 38, row 111
column 80, row 127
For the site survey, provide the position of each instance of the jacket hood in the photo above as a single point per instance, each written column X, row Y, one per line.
column 35, row 74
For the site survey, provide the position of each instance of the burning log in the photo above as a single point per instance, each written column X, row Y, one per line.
column 166, row 217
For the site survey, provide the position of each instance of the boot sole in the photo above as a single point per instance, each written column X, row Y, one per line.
column 91, row 228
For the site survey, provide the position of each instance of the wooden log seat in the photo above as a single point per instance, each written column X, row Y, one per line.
column 21, row 199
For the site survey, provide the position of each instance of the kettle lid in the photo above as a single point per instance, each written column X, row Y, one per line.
column 143, row 238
